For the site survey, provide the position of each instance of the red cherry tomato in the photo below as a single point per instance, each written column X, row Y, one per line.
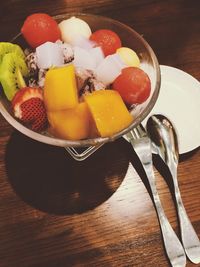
column 39, row 28
column 107, row 39
column 134, row 85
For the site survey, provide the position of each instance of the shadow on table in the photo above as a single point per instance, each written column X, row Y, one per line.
column 47, row 178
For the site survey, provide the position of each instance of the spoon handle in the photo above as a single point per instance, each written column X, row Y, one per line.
column 189, row 237
column 174, row 249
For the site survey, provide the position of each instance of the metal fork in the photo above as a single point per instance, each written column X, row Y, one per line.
column 142, row 146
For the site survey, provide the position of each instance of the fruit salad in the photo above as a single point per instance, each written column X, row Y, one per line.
column 71, row 82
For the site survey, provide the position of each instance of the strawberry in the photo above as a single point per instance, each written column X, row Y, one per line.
column 28, row 107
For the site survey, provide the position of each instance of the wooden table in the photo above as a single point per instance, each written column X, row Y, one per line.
column 58, row 212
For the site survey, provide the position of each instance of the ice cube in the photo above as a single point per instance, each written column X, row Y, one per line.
column 109, row 69
column 82, row 41
column 97, row 54
column 83, row 59
column 48, row 55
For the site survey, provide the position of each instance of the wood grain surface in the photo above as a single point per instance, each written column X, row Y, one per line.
column 57, row 212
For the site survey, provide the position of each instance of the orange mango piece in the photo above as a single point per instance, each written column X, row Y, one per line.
column 60, row 91
column 72, row 124
column 108, row 111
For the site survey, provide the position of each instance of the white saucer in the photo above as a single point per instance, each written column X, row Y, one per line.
column 179, row 101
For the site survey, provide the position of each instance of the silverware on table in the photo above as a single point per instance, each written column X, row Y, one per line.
column 142, row 146
column 164, row 140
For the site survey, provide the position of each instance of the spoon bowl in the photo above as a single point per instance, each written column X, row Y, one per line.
column 164, row 138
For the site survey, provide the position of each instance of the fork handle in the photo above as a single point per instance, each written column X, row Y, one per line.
column 173, row 247
column 189, row 237
column 172, row 244
column 142, row 146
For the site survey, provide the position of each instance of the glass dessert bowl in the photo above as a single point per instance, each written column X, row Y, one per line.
column 148, row 63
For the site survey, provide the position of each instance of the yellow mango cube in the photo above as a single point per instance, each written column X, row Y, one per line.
column 60, row 91
column 108, row 111
column 72, row 124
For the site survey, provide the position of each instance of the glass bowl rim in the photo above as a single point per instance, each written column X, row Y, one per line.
column 98, row 140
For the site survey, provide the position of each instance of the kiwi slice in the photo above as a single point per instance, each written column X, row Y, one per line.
column 6, row 47
column 12, row 70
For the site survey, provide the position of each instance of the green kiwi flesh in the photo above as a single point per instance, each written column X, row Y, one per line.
column 6, row 47
column 12, row 70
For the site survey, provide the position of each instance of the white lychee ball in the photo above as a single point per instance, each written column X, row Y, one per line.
column 73, row 27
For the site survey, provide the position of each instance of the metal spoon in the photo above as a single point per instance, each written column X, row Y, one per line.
column 164, row 140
